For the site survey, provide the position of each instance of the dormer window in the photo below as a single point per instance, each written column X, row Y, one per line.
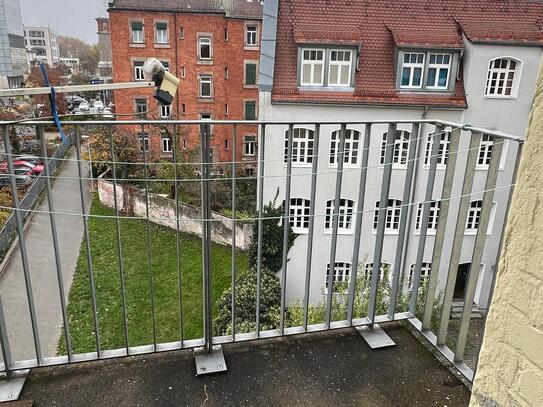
column 329, row 67
column 312, row 67
column 425, row 70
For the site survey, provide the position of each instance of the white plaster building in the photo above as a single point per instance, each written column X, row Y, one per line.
column 359, row 61
column 42, row 41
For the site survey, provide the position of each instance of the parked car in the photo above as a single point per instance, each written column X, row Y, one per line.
column 99, row 105
column 20, row 180
column 32, row 159
column 34, row 169
column 84, row 106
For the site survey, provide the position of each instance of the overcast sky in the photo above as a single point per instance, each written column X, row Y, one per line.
column 67, row 17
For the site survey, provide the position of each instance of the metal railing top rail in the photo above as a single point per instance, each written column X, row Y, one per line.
column 463, row 126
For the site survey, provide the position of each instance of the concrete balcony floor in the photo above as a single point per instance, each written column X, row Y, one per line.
column 320, row 369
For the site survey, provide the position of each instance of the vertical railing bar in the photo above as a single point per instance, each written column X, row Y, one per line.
column 4, row 341
column 436, row 137
column 119, row 241
column 359, row 218
column 478, row 248
column 335, row 223
column 286, row 228
column 404, row 225
column 87, row 238
column 149, row 241
column 234, row 210
column 500, row 246
column 206, row 238
column 52, row 221
column 311, row 229
column 177, row 237
column 441, row 228
column 475, row 142
column 260, row 226
column 381, row 221
column 22, row 247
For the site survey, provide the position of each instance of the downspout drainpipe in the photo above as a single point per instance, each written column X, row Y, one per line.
column 410, row 208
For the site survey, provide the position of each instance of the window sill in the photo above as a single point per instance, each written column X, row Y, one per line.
column 439, row 167
column 161, row 45
column 345, row 165
column 137, row 45
column 299, row 165
column 206, row 100
column 428, row 91
column 339, row 232
column 250, row 86
column 387, row 232
column 429, row 232
column 394, row 166
column 300, row 231
column 500, row 97
column 251, row 47
column 204, row 62
column 322, row 88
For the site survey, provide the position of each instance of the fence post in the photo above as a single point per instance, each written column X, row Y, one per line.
column 209, row 358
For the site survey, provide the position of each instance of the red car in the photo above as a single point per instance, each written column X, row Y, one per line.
column 35, row 169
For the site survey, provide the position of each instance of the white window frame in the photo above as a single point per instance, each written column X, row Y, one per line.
column 342, row 273
column 401, row 149
column 249, row 145
column 138, row 71
column 138, row 105
column 353, row 140
column 484, row 154
column 412, row 66
column 299, row 215
column 205, row 40
column 475, row 213
column 251, row 35
column 425, row 270
column 205, row 79
column 433, row 219
column 393, row 213
column 161, row 36
column 165, row 111
column 438, row 67
column 312, row 64
column 166, row 143
column 368, row 268
column 302, row 147
column 143, row 140
column 339, row 65
column 502, row 74
column 345, row 216
column 135, row 38
column 443, row 152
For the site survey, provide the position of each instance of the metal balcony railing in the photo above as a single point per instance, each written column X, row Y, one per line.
column 444, row 256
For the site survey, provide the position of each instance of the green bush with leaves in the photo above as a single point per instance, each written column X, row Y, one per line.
column 246, row 282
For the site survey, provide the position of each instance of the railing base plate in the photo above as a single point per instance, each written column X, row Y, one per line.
column 10, row 388
column 209, row 363
column 376, row 337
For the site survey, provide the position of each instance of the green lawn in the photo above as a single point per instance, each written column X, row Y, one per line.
column 105, row 262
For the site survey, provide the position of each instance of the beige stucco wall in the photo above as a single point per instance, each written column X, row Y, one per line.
column 510, row 371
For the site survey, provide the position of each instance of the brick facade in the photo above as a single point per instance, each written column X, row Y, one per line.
column 226, row 67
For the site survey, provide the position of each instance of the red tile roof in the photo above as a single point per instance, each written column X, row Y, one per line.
column 378, row 25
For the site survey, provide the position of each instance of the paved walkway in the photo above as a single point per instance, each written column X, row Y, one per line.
column 43, row 269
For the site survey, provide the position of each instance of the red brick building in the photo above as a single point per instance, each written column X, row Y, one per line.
column 211, row 46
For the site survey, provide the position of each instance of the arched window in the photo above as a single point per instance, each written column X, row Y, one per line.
column 302, row 147
column 384, row 270
column 393, row 212
column 299, row 214
column 503, row 77
column 425, row 270
column 352, row 147
column 401, row 148
column 342, row 272
column 345, row 218
column 432, row 218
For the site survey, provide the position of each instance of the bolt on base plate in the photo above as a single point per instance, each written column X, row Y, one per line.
column 208, row 363
column 10, row 387
column 376, row 337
